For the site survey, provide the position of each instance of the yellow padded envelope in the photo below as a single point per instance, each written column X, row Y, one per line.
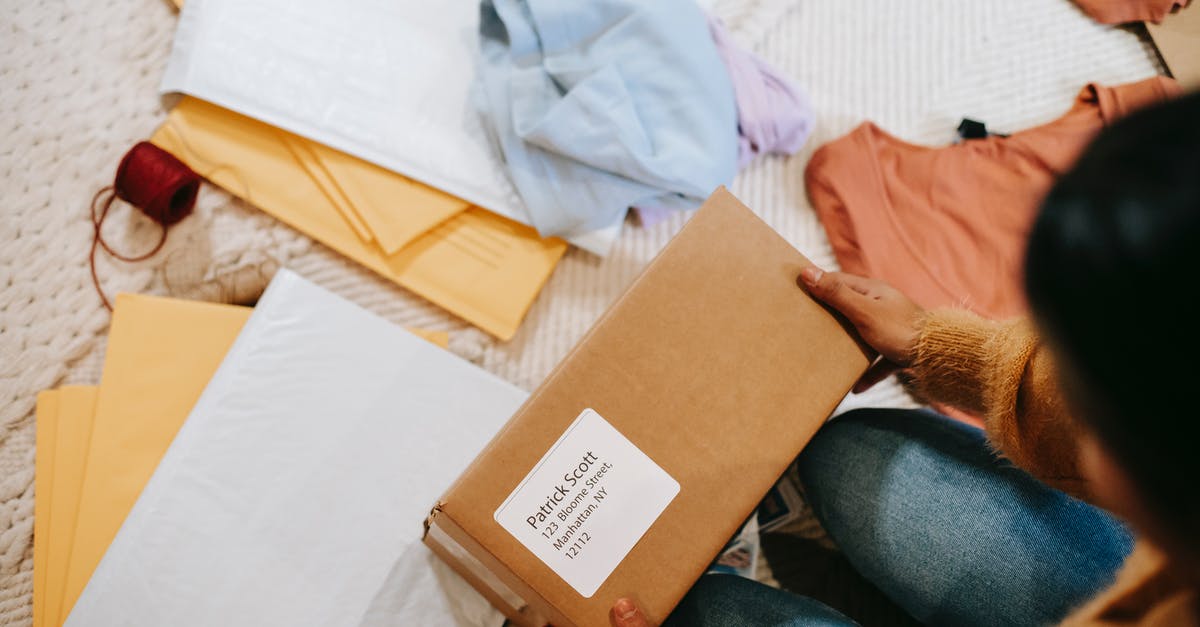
column 45, row 438
column 397, row 209
column 303, row 153
column 482, row 267
column 161, row 354
column 76, row 411
column 381, row 206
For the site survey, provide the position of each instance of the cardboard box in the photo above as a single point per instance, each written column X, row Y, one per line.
column 648, row 446
column 1178, row 41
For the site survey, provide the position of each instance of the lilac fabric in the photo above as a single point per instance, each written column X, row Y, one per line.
column 774, row 116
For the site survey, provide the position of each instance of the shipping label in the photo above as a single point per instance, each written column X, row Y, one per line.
column 587, row 502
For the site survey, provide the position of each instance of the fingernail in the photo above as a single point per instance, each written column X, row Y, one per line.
column 625, row 609
column 811, row 275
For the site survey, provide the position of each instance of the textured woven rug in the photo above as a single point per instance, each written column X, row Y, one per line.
column 78, row 87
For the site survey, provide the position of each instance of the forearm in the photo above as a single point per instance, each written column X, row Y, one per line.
column 1001, row 372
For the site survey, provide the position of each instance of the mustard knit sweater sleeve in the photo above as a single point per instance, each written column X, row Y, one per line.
column 1002, row 373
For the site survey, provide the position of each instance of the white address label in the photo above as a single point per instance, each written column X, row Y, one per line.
column 587, row 502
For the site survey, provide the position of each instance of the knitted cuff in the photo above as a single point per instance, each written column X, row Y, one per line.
column 955, row 358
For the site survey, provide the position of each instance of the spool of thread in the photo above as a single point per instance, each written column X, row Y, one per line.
column 157, row 184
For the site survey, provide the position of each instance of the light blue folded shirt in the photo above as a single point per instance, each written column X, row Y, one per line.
column 600, row 105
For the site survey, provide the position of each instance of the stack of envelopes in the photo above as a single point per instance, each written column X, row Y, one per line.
column 478, row 265
column 98, row 448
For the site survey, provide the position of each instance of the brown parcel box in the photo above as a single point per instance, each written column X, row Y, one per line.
column 1178, row 43
column 717, row 367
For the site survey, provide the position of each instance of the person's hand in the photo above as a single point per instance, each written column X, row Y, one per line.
column 626, row 613
column 885, row 318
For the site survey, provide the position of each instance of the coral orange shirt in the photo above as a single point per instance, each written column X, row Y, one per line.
column 1123, row 11
column 948, row 225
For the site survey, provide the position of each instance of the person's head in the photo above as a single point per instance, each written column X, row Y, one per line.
column 1112, row 274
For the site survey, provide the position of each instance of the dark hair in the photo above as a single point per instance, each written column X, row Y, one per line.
column 1112, row 274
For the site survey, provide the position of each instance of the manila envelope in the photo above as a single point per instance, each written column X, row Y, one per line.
column 76, row 413
column 60, row 468
column 307, row 159
column 45, row 437
column 480, row 266
column 381, row 206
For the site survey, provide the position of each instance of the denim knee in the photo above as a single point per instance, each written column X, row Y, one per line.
column 857, row 441
column 924, row 508
column 730, row 601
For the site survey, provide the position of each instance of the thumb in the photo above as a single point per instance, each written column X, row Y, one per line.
column 626, row 613
column 831, row 289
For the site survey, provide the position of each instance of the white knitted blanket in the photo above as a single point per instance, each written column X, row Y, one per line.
column 78, row 87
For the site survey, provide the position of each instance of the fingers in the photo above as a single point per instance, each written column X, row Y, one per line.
column 836, row 289
column 859, row 284
column 885, row 318
column 878, row 371
column 626, row 613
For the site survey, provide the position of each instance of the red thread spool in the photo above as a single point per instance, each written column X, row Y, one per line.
column 157, row 184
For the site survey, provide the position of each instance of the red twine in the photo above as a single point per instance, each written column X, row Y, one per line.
column 157, row 184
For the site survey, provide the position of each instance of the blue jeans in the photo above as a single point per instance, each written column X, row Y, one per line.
column 924, row 509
